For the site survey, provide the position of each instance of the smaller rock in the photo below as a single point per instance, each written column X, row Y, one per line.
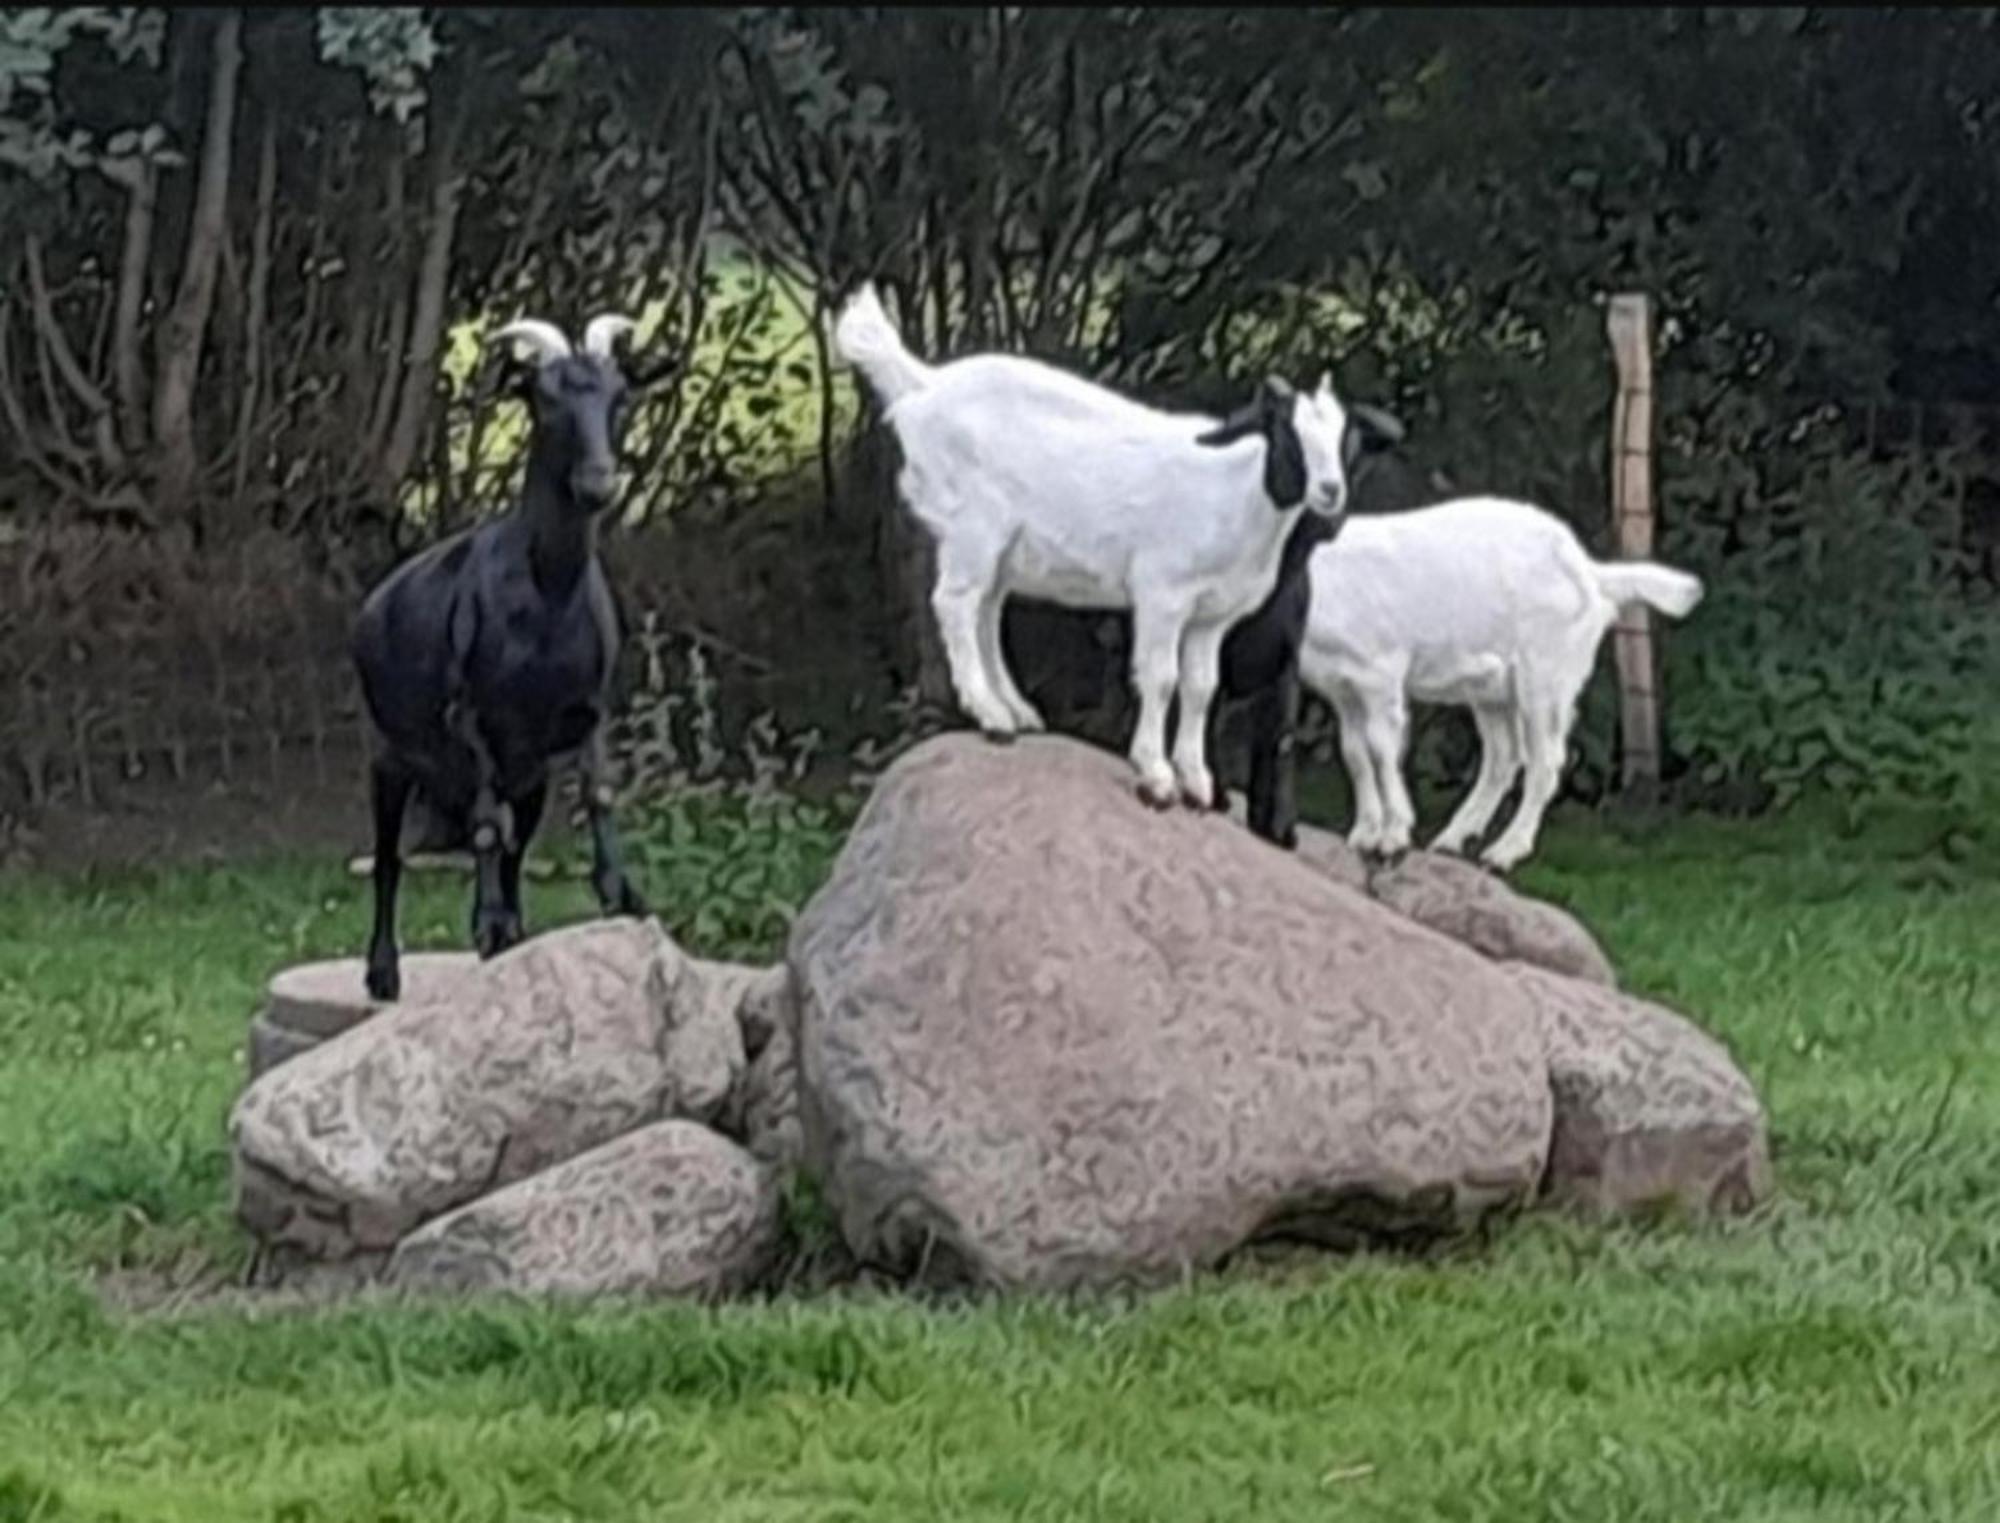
column 1648, row 1107
column 308, row 1004
column 669, row 1210
column 549, row 1050
column 1458, row 899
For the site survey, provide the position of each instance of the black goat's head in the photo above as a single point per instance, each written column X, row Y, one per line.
column 579, row 401
column 1311, row 442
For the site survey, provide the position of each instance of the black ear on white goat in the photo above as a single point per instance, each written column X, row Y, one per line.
column 1269, row 414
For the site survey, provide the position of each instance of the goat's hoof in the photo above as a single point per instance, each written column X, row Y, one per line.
column 385, row 983
column 998, row 737
column 494, row 934
column 1157, row 796
column 629, row 904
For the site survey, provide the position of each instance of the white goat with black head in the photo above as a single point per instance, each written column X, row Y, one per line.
column 1484, row 602
column 1034, row 481
column 488, row 659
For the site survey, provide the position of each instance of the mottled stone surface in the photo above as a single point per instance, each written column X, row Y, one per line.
column 555, row 1047
column 1050, row 1037
column 1328, row 854
column 671, row 1209
column 1648, row 1107
column 1465, row 902
column 312, row 1002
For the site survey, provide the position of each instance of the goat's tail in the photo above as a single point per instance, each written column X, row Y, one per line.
column 867, row 340
column 1662, row 588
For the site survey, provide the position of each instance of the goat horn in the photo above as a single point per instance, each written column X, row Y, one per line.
column 602, row 332
column 547, row 340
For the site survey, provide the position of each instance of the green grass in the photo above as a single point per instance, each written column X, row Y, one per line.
column 1836, row 1357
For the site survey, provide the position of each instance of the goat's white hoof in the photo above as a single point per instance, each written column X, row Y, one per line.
column 1028, row 722
column 1159, row 792
column 1198, row 791
column 1501, row 861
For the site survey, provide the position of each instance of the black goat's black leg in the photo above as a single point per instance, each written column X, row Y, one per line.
column 615, row 894
column 1274, row 800
column 494, row 925
column 527, row 816
column 389, row 794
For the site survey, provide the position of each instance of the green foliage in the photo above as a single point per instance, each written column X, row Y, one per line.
column 392, row 47
column 1832, row 654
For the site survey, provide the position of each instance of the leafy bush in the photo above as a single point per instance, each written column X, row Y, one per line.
column 1834, row 652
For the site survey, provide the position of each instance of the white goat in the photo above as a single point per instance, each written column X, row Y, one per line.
column 1483, row 602
column 1037, row 482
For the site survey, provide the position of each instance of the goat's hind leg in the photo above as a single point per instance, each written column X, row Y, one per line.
column 1499, row 764
column 615, row 894
column 389, row 795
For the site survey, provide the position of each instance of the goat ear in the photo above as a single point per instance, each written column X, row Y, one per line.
column 1284, row 462
column 1240, row 424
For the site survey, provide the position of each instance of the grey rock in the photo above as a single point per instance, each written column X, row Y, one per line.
column 1049, row 1037
column 551, row 1049
column 1649, row 1108
column 671, row 1209
column 1458, row 899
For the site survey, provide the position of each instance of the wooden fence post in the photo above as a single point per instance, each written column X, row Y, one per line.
column 1628, row 320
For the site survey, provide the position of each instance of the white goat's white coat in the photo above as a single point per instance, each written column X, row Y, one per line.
column 1484, row 602
column 1037, row 482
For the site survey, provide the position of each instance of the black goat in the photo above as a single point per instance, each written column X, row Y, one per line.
column 487, row 660
column 1260, row 656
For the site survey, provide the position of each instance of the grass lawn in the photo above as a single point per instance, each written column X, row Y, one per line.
column 1836, row 1357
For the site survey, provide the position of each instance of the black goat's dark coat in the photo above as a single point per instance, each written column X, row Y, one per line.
column 1260, row 656
column 488, row 659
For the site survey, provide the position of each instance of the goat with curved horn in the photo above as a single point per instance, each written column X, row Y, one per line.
column 547, row 340
column 602, row 332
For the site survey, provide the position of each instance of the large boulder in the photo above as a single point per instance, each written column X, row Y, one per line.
column 1047, row 1036
column 1649, row 1109
column 556, row 1047
column 671, row 1209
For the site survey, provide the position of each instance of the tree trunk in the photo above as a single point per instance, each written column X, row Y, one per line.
column 186, row 325
column 127, row 366
column 418, row 372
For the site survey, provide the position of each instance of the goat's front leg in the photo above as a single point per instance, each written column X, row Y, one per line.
column 389, row 794
column 1386, row 735
column 1156, row 644
column 495, row 927
column 527, row 816
column 960, row 600
column 1274, row 722
column 615, row 894
column 1200, row 672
